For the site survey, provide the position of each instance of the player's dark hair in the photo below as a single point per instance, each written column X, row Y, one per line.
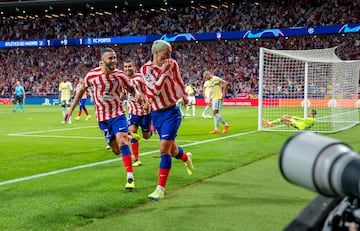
column 104, row 50
column 127, row 60
column 313, row 111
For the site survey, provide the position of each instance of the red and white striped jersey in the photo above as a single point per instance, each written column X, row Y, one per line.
column 107, row 89
column 137, row 108
column 78, row 88
column 163, row 88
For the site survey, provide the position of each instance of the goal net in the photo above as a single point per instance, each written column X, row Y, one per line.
column 292, row 83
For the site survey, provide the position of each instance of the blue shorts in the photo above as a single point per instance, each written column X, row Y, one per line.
column 167, row 122
column 82, row 102
column 143, row 121
column 112, row 126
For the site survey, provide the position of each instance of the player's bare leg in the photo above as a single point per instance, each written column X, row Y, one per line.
column 120, row 145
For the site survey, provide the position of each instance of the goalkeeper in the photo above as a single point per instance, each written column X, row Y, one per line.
column 294, row 121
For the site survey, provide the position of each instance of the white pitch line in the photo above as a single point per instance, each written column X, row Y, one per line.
column 55, row 172
column 45, row 131
column 63, row 137
column 27, row 111
column 86, row 137
column 33, row 134
column 113, row 160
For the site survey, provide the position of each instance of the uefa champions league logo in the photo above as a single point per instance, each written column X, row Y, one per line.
column 178, row 37
column 263, row 33
column 349, row 28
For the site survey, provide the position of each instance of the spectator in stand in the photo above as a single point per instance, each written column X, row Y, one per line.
column 236, row 16
column 38, row 78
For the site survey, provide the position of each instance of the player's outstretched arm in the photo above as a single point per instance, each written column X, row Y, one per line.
column 77, row 98
column 224, row 88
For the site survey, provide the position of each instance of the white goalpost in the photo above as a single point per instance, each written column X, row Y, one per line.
column 294, row 82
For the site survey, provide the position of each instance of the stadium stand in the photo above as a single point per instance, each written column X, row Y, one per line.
column 234, row 60
column 223, row 16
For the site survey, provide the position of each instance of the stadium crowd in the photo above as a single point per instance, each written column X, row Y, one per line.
column 225, row 16
column 40, row 70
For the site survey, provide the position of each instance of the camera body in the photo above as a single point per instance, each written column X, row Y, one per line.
column 332, row 169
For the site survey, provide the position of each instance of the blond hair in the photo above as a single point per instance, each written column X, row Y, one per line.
column 205, row 73
column 158, row 45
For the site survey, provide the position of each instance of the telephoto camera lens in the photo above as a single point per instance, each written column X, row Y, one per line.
column 321, row 164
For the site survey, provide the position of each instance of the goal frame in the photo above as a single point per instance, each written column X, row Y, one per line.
column 314, row 57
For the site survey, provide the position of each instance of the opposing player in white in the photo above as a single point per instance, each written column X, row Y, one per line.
column 65, row 89
column 207, row 98
column 191, row 92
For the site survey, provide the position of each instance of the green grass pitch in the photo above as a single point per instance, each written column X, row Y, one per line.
column 57, row 176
